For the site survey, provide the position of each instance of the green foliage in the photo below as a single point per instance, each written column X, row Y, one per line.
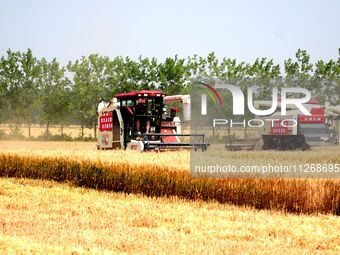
column 300, row 68
column 172, row 75
column 54, row 93
column 20, row 72
column 89, row 86
column 40, row 91
column 49, row 137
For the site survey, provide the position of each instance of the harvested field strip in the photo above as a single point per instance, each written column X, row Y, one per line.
column 298, row 196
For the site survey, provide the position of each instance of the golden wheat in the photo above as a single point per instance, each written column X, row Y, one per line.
column 72, row 131
column 43, row 217
column 167, row 174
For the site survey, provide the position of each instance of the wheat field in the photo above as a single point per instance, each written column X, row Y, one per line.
column 164, row 174
column 87, row 151
column 179, row 160
column 44, row 217
column 37, row 130
column 156, row 205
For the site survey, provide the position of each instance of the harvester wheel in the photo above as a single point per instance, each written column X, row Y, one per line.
column 259, row 144
column 303, row 145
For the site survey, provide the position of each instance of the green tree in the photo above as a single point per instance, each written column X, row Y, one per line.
column 148, row 73
column 123, row 75
column 301, row 68
column 328, row 75
column 20, row 72
column 29, row 88
column 3, row 91
column 172, row 75
column 10, row 86
column 90, row 77
column 264, row 74
column 54, row 94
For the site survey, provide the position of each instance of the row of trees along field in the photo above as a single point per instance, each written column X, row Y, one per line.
column 41, row 91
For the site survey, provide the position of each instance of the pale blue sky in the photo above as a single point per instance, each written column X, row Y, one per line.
column 244, row 30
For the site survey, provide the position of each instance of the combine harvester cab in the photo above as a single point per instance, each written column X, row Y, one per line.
column 138, row 121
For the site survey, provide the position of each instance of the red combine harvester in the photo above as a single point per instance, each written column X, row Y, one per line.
column 138, row 121
column 278, row 134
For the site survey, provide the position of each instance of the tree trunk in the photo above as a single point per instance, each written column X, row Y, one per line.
column 82, row 132
column 29, row 130
column 62, row 129
column 16, row 127
column 95, row 130
column 47, row 131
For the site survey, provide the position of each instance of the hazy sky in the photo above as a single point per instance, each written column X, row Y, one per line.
column 245, row 30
